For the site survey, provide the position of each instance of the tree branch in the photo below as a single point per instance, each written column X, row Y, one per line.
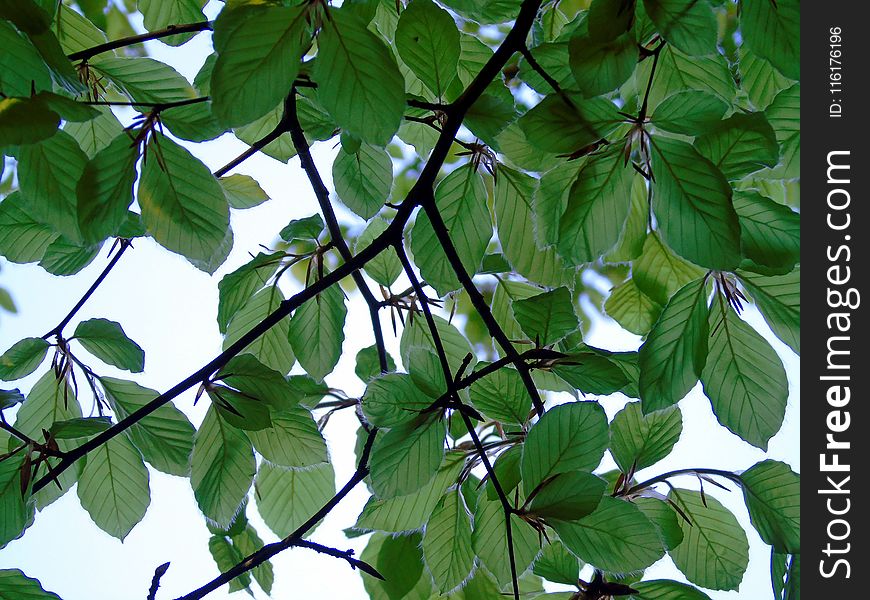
column 665, row 476
column 136, row 39
column 322, row 194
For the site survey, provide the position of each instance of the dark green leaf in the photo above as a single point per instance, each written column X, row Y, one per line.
column 22, row 358
column 107, row 341
column 772, row 493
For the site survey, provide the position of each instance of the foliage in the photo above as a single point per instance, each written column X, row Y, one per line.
column 502, row 155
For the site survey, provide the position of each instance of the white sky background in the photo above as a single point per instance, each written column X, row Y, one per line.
column 170, row 308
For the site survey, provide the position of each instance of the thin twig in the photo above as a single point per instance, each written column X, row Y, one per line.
column 137, row 39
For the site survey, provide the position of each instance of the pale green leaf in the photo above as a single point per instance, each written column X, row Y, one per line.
column 617, row 537
column 631, row 308
column 772, row 494
column 273, row 347
column 358, row 80
column 15, row 585
column 461, row 200
column 386, row 267
column 489, row 540
column 714, row 552
column 317, row 332
column 286, row 499
column 222, row 468
column 292, row 441
column 778, row 299
column 662, row 589
column 363, row 179
column 406, row 458
column 237, row 288
column 159, row 14
column 638, row 440
column 546, row 318
column 16, row 510
column 692, row 204
column 674, row 354
column 164, row 437
column 659, row 273
column 689, row 112
column 502, row 396
column 182, row 203
column 427, row 40
column 393, row 399
column 741, row 144
column 242, row 191
column 226, row 556
column 113, row 486
column 447, row 550
column 569, row 437
column 744, row 378
column 23, row 239
column 107, row 341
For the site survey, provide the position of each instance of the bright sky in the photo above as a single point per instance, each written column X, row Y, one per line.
column 169, row 308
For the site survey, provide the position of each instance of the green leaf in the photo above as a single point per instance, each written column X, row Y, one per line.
column 286, row 499
column 248, row 542
column 22, row 66
column 107, row 341
column 105, row 190
column 515, row 223
column 94, row 135
column 631, row 308
column 242, row 191
column 144, row 79
column 386, row 267
column 690, row 25
column 23, row 239
column 63, row 257
column 592, row 373
column 410, row 512
column 226, row 556
column 557, row 564
column 368, row 364
column 257, row 63
column 22, row 358
column 556, row 126
column 663, row 589
column 427, row 40
column 237, row 288
column 784, row 115
column 238, row 409
column 26, row 121
column 598, row 206
column 461, row 199
column 222, row 468
column 16, row 585
column 402, row 556
column 47, row 175
column 48, row 402
column 569, row 437
column 744, row 378
column 602, row 66
column 79, row 427
column 489, row 540
column 778, row 299
column 659, row 273
column 773, row 32
column 406, row 458
column 772, row 494
column 507, row 470
column 273, row 347
column 692, row 204
column 714, row 552
column 113, row 486
column 393, row 399
column 317, row 332
column 741, row 144
column 257, row 381
column 182, row 203
column 164, row 437
column 638, row 440
column 617, row 537
column 665, row 518
column 358, row 80
column 689, row 112
column 447, row 549
column 292, row 441
column 568, row 496
column 502, row 396
column 363, row 179
column 548, row 317
column 9, row 398
column 608, row 19
column 677, row 72
column 69, row 110
column 308, row 228
column 674, row 354
column 769, row 232
column 758, row 78
column 15, row 505
column 159, row 14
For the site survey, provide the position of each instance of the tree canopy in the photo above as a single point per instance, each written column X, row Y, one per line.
column 507, row 173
